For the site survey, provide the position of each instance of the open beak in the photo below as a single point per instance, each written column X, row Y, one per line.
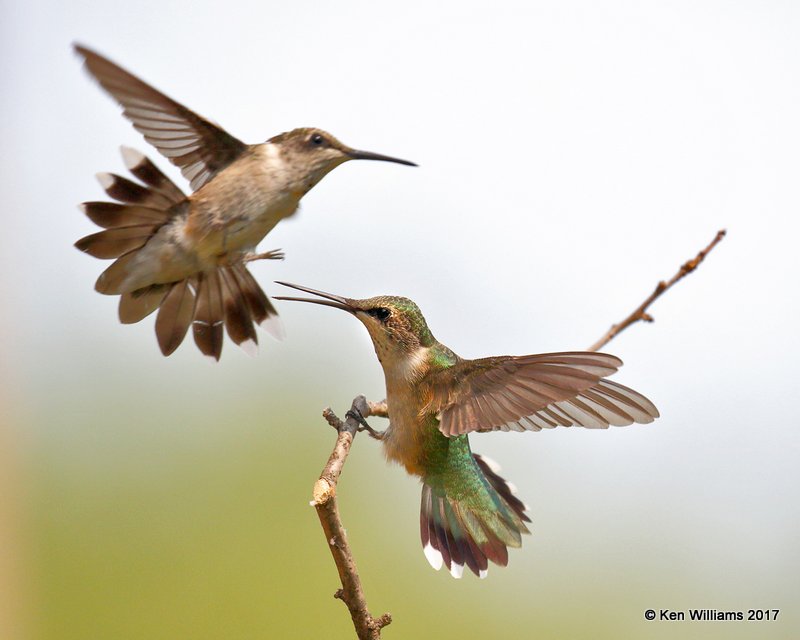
column 330, row 300
column 368, row 155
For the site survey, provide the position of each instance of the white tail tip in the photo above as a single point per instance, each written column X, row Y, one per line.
column 105, row 179
column 250, row 347
column 496, row 468
column 274, row 327
column 433, row 556
column 131, row 157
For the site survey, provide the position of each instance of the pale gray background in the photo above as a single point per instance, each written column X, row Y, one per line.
column 571, row 155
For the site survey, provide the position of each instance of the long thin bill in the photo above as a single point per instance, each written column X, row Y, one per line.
column 368, row 155
column 331, row 300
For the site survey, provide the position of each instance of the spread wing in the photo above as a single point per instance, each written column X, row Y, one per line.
column 534, row 392
column 198, row 147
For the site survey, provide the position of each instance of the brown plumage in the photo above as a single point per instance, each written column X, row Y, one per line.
column 198, row 147
column 137, row 305
column 227, row 296
column 520, row 393
column 209, row 317
column 165, row 241
column 113, row 242
column 174, row 316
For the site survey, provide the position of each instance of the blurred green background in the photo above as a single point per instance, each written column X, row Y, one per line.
column 571, row 155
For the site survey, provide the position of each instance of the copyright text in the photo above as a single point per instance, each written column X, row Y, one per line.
column 711, row 615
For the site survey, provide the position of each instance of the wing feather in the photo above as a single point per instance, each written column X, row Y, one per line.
column 514, row 393
column 203, row 148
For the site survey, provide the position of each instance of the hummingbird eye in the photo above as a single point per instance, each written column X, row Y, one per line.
column 381, row 313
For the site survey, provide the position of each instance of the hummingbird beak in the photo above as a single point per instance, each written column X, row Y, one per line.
column 355, row 154
column 338, row 302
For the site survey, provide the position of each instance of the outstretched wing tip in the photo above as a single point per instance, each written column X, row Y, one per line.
column 535, row 392
column 81, row 49
column 197, row 146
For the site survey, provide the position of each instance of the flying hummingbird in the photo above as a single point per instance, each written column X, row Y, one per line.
column 469, row 514
column 186, row 255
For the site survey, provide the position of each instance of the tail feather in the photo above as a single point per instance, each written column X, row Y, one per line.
column 124, row 190
column 226, row 297
column 114, row 214
column 471, row 527
column 111, row 280
column 476, row 560
column 238, row 318
column 137, row 305
column 505, row 489
column 264, row 313
column 209, row 315
column 130, row 222
column 112, row 243
column 174, row 316
column 143, row 168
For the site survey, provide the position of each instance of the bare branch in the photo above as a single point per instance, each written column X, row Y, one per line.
column 640, row 313
column 351, row 593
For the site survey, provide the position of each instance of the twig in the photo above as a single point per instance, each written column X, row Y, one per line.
column 351, row 593
column 380, row 409
column 640, row 313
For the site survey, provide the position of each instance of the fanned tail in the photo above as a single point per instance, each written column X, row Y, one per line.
column 231, row 297
column 130, row 222
column 473, row 524
column 227, row 297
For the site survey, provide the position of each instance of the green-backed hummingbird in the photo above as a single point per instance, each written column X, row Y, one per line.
column 186, row 255
column 469, row 514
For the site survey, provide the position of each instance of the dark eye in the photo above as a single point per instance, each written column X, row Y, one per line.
column 317, row 139
column 381, row 313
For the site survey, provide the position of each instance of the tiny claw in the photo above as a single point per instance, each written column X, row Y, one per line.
column 356, row 415
column 275, row 254
column 376, row 435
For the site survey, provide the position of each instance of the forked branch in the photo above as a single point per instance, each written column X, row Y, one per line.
column 324, row 493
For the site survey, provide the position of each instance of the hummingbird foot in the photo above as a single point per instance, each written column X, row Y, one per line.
column 275, row 254
column 355, row 414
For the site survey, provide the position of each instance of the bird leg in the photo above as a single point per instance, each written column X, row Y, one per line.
column 275, row 254
column 355, row 414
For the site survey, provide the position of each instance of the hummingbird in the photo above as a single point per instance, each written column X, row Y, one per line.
column 187, row 255
column 469, row 514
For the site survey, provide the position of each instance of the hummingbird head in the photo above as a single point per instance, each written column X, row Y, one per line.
column 396, row 325
column 316, row 152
